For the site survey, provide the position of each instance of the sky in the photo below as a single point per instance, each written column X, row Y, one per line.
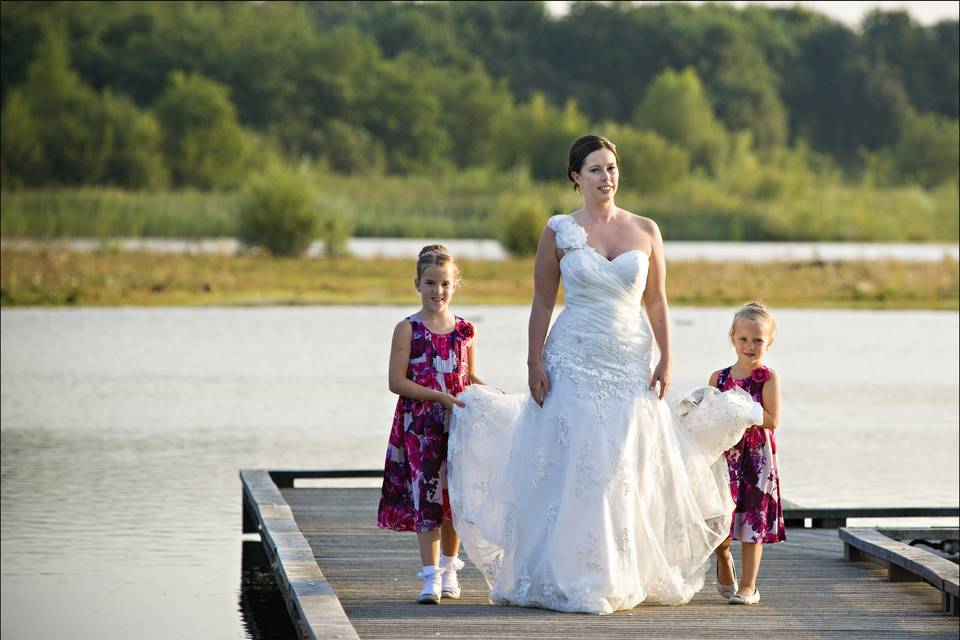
column 850, row 13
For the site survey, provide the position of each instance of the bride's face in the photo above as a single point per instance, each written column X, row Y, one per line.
column 598, row 177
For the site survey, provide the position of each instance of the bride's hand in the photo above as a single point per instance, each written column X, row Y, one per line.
column 662, row 375
column 539, row 384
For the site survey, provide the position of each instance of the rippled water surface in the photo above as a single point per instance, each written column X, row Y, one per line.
column 123, row 431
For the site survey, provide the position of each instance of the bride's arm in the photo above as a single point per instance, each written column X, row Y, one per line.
column 655, row 302
column 546, row 283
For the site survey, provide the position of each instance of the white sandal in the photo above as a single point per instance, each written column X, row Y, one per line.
column 727, row 590
column 753, row 598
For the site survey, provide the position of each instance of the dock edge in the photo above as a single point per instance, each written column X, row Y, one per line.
column 314, row 607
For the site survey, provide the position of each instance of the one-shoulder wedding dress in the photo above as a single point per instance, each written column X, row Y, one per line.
column 603, row 498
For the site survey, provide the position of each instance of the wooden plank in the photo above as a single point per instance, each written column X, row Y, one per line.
column 311, row 602
column 905, row 562
column 807, row 591
column 284, row 478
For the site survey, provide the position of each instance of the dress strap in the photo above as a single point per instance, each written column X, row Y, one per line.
column 722, row 377
column 570, row 235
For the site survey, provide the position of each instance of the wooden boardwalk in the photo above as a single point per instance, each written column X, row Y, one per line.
column 807, row 589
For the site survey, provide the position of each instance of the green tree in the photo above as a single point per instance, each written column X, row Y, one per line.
column 397, row 105
column 136, row 159
column 539, row 136
column 56, row 130
column 928, row 151
column 21, row 155
column 473, row 107
column 648, row 162
column 676, row 107
column 351, row 150
column 205, row 146
column 59, row 118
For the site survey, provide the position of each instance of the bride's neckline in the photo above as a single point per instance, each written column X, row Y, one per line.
column 594, row 249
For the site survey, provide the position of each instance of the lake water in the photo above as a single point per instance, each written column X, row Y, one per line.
column 123, row 431
column 409, row 248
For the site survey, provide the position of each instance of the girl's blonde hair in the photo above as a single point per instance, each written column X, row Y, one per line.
column 436, row 255
column 755, row 311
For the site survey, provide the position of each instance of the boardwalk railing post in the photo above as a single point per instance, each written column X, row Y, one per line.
column 851, row 553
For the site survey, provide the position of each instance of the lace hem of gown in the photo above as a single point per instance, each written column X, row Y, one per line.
column 574, row 522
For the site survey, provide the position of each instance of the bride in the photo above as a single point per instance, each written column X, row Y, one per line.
column 590, row 495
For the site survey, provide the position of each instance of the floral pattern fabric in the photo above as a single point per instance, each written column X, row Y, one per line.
column 754, row 476
column 414, row 497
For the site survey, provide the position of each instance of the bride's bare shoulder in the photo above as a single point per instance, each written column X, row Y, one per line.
column 647, row 225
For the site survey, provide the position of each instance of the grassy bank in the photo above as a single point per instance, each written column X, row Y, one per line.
column 54, row 278
column 742, row 206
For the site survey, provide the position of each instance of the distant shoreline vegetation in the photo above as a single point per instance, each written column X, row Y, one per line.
column 480, row 204
column 281, row 121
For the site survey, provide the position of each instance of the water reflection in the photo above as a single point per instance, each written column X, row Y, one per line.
column 262, row 608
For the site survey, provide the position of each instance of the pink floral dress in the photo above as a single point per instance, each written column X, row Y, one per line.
column 754, row 477
column 414, row 496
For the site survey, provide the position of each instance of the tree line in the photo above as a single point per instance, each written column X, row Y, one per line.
column 198, row 94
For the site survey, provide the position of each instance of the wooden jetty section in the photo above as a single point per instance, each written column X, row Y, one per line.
column 808, row 589
column 312, row 604
column 905, row 563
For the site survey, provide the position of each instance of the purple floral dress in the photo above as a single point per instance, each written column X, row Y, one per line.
column 414, row 496
column 754, row 477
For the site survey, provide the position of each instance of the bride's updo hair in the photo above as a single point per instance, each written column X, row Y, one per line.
column 757, row 312
column 582, row 147
column 436, row 255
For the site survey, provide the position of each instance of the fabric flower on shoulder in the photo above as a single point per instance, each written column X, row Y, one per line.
column 466, row 330
column 760, row 374
column 570, row 235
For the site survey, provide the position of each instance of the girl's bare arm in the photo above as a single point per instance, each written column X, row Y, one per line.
column 771, row 401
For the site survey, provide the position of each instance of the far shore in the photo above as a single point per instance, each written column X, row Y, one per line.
column 487, row 249
column 42, row 276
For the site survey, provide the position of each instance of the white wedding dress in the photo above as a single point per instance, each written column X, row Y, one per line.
column 603, row 498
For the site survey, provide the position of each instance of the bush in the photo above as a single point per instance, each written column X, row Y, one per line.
column 520, row 222
column 335, row 229
column 278, row 212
